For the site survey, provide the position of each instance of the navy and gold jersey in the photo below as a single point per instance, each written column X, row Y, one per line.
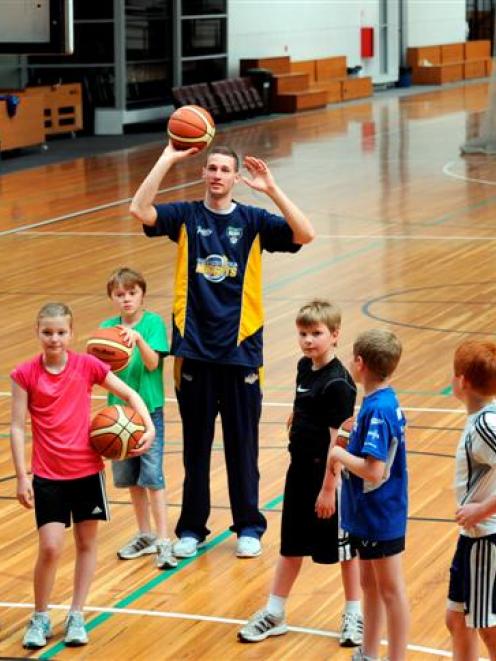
column 218, row 310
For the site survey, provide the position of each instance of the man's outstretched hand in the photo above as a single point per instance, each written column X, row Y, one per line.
column 260, row 178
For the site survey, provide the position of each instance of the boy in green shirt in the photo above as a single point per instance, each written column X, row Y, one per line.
column 146, row 332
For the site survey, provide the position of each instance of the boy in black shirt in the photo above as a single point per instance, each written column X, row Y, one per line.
column 325, row 397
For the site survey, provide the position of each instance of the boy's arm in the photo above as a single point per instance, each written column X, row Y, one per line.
column 368, row 468
column 133, row 338
column 116, row 386
column 325, row 504
column 17, row 439
column 142, row 203
column 263, row 181
column 471, row 514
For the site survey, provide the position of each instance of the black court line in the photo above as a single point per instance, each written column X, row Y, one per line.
column 426, row 453
column 429, row 427
column 366, row 308
column 266, row 510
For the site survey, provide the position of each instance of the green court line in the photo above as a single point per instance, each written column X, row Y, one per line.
column 460, row 212
column 448, row 391
column 150, row 585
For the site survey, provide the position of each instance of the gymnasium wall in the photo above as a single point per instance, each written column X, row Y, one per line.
column 319, row 28
column 435, row 22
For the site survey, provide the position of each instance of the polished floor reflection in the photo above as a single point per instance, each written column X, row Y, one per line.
column 406, row 230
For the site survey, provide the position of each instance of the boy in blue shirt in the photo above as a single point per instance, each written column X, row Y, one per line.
column 374, row 494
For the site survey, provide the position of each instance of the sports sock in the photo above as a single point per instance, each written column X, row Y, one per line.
column 353, row 608
column 276, row 605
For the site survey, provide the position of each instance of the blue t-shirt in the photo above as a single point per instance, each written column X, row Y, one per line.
column 377, row 511
column 218, row 310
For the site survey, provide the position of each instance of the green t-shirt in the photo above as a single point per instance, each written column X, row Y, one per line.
column 148, row 384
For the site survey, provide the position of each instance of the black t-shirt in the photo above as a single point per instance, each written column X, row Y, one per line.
column 324, row 398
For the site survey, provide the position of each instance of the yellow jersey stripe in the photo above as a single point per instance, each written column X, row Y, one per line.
column 181, row 281
column 252, row 311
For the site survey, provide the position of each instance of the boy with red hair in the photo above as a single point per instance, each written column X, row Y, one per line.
column 471, row 608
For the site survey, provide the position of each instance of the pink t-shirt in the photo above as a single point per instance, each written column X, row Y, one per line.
column 59, row 405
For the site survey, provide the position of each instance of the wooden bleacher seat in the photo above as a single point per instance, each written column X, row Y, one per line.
column 309, row 83
column 332, row 71
column 300, row 100
column 277, row 65
column 291, row 90
column 330, row 74
column 447, row 63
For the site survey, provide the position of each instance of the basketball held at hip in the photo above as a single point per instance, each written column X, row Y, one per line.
column 116, row 431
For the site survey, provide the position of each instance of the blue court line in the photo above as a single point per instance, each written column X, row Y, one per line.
column 150, row 585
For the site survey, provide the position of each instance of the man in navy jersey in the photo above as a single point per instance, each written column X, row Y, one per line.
column 217, row 327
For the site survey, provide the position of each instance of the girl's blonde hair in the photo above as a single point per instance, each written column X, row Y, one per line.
column 50, row 310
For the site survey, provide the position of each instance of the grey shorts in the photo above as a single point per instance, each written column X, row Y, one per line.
column 147, row 470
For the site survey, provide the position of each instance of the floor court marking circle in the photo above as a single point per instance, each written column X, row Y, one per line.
column 210, row 618
column 448, row 172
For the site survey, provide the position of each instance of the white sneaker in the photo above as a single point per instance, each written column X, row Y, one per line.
column 140, row 544
column 248, row 547
column 261, row 625
column 351, row 630
column 360, row 656
column 165, row 559
column 186, row 547
column 75, row 630
column 38, row 631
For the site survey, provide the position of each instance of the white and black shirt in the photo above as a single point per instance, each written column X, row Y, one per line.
column 475, row 477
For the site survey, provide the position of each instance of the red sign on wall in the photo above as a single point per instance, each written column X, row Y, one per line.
column 367, row 42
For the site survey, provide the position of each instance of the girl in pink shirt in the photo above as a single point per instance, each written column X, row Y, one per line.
column 55, row 387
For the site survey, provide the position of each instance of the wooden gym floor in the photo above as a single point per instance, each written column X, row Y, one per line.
column 406, row 230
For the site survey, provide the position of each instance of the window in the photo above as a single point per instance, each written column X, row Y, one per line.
column 204, row 36
column 197, row 7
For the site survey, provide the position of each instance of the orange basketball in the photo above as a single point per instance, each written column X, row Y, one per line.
column 191, row 126
column 107, row 345
column 344, row 432
column 115, row 431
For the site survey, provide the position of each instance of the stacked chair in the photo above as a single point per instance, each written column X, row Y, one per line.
column 233, row 98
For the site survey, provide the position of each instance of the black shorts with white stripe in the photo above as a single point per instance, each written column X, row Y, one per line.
column 82, row 499
column 472, row 587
